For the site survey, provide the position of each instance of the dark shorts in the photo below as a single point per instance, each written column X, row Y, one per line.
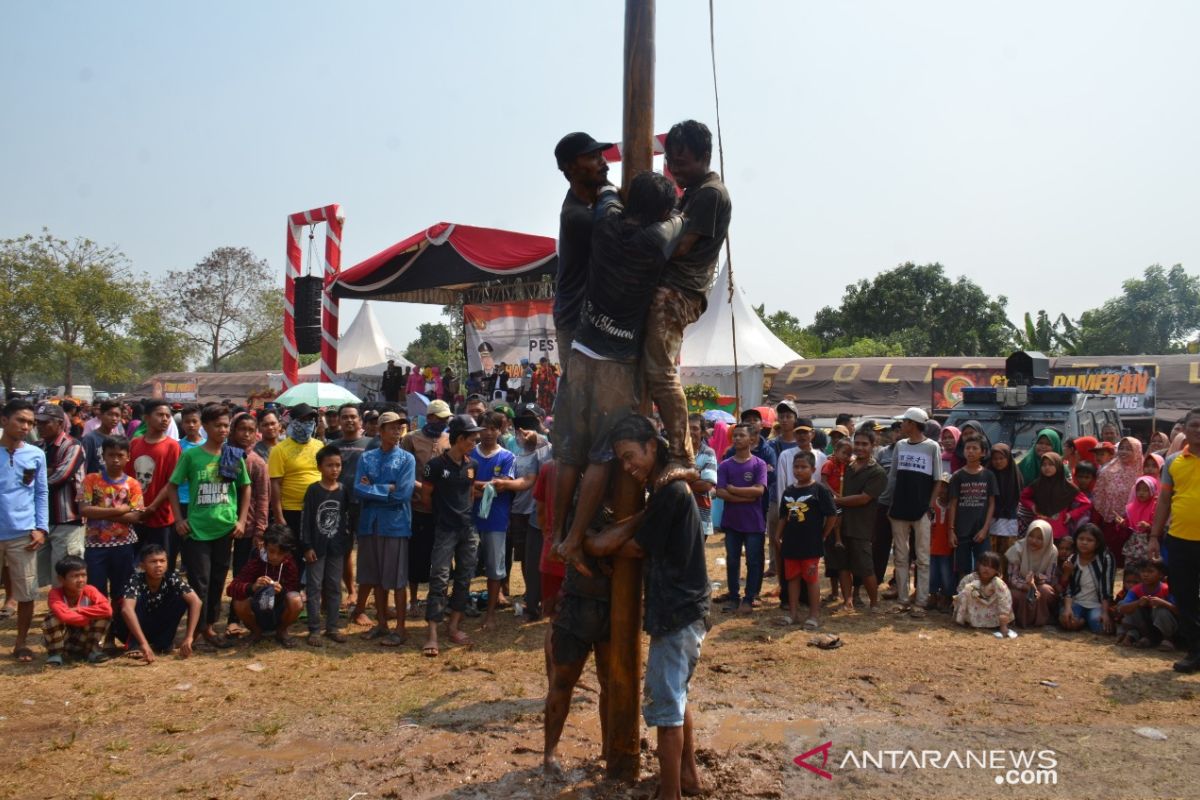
column 579, row 624
column 836, row 559
column 420, row 547
column 859, row 558
column 597, row 395
column 268, row 620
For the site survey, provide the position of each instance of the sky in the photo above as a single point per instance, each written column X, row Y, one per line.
column 1046, row 151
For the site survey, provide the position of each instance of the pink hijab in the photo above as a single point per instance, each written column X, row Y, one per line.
column 719, row 441
column 1177, row 444
column 1137, row 512
column 1115, row 482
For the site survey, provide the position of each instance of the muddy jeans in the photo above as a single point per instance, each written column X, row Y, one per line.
column 670, row 313
column 461, row 547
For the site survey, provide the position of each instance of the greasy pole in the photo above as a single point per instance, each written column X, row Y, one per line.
column 623, row 750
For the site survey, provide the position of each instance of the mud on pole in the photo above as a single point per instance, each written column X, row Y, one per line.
column 625, row 669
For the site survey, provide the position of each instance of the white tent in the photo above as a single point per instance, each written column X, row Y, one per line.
column 363, row 350
column 707, row 353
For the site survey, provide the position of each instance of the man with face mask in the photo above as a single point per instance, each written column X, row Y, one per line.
column 293, row 468
column 425, row 444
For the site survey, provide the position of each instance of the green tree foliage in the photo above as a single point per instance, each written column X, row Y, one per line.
column 1155, row 314
column 789, row 330
column 919, row 310
column 226, row 304
column 1053, row 337
column 24, row 283
column 432, row 345
column 266, row 352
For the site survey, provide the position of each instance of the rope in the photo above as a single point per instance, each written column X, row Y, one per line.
column 712, row 49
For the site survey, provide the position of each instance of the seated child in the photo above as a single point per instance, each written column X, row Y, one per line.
column 155, row 600
column 1147, row 612
column 1090, row 572
column 807, row 516
column 79, row 616
column 1033, row 573
column 1066, row 549
column 266, row 594
column 941, row 549
column 983, row 599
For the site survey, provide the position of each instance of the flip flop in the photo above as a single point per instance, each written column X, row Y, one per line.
column 826, row 641
column 460, row 638
column 286, row 642
column 7, row 611
column 429, row 651
column 393, row 640
column 811, row 624
column 375, row 633
column 219, row 642
column 23, row 655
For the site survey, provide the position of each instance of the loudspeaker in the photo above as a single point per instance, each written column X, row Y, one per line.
column 308, row 301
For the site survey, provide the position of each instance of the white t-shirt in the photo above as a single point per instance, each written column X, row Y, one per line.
column 783, row 469
column 1089, row 596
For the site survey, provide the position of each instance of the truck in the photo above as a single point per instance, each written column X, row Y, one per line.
column 1016, row 412
column 78, row 391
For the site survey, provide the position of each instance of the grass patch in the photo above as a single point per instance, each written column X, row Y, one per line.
column 266, row 728
column 171, row 727
column 116, row 746
column 63, row 744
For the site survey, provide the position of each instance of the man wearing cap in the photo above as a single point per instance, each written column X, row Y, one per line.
column 292, row 466
column 64, row 476
column 915, row 471
column 383, row 482
column 448, row 486
column 425, row 444
column 581, row 160
column 532, row 451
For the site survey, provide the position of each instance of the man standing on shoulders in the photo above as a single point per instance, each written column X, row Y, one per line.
column 581, row 159
column 683, row 294
column 24, row 514
column 916, row 469
column 64, row 475
column 1179, row 502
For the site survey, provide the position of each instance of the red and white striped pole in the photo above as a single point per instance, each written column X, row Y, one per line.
column 332, row 216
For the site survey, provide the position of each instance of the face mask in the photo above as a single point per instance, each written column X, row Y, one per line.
column 434, row 426
column 301, row 431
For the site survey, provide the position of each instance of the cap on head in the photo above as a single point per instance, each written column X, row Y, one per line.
column 787, row 405
column 840, row 430
column 303, row 411
column 573, row 145
column 916, row 415
column 804, row 424
column 388, row 417
column 49, row 411
column 439, row 409
column 460, row 424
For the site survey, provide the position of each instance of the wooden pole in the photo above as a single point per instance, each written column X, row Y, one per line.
column 623, row 748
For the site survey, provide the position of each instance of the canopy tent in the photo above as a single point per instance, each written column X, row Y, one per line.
column 707, row 353
column 445, row 262
column 363, row 350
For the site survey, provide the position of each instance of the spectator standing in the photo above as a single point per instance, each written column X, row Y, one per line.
column 64, row 476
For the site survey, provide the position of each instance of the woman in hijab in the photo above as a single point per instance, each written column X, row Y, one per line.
column 1113, row 487
column 1047, row 441
column 1008, row 499
column 1139, row 515
column 1054, row 498
column 1159, row 442
column 1152, row 465
column 1033, row 576
column 1177, row 444
column 949, row 439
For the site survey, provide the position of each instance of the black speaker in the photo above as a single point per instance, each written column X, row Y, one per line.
column 308, row 301
column 308, row 340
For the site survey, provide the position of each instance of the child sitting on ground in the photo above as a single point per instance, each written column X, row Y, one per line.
column 1148, row 616
column 266, row 594
column 155, row 600
column 79, row 616
column 983, row 599
column 807, row 516
column 941, row 549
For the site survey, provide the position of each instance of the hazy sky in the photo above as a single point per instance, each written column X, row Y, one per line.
column 1045, row 150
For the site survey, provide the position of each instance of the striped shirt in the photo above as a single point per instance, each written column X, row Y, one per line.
column 64, row 474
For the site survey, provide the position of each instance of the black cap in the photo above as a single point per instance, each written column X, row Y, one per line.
column 302, row 410
column 752, row 412
column 460, row 424
column 576, row 144
column 531, row 410
column 804, row 423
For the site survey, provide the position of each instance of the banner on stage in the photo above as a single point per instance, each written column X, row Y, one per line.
column 508, row 332
column 1132, row 386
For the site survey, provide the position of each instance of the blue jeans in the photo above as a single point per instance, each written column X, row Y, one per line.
column 966, row 554
column 669, row 666
column 941, row 576
column 1092, row 615
column 109, row 569
column 755, row 557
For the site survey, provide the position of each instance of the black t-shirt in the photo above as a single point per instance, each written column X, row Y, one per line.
column 351, row 449
column 804, row 510
column 452, row 486
column 676, row 576
column 325, row 525
column 574, row 254
column 708, row 210
column 973, row 493
column 627, row 262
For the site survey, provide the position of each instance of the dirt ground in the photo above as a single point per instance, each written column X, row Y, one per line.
column 363, row 721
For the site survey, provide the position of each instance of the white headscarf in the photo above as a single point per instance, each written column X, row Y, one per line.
column 1039, row 562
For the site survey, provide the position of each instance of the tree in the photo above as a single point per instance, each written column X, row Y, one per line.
column 267, row 352
column 432, row 345
column 1155, row 315
column 24, row 337
column 227, row 303
column 921, row 311
column 789, row 330
column 156, row 346
column 1057, row 337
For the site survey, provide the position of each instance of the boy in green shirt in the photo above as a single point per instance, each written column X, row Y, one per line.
column 219, row 485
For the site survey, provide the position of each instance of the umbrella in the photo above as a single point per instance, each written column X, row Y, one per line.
column 317, row 395
column 717, row 415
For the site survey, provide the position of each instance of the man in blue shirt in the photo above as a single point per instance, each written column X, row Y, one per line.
column 24, row 513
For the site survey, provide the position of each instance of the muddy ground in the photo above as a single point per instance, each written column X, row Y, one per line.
column 365, row 721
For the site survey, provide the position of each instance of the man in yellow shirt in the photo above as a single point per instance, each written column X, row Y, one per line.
column 1179, row 501
column 292, row 467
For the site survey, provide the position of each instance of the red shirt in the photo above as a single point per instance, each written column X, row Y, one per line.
column 152, row 465
column 939, row 531
column 91, row 605
column 242, row 586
